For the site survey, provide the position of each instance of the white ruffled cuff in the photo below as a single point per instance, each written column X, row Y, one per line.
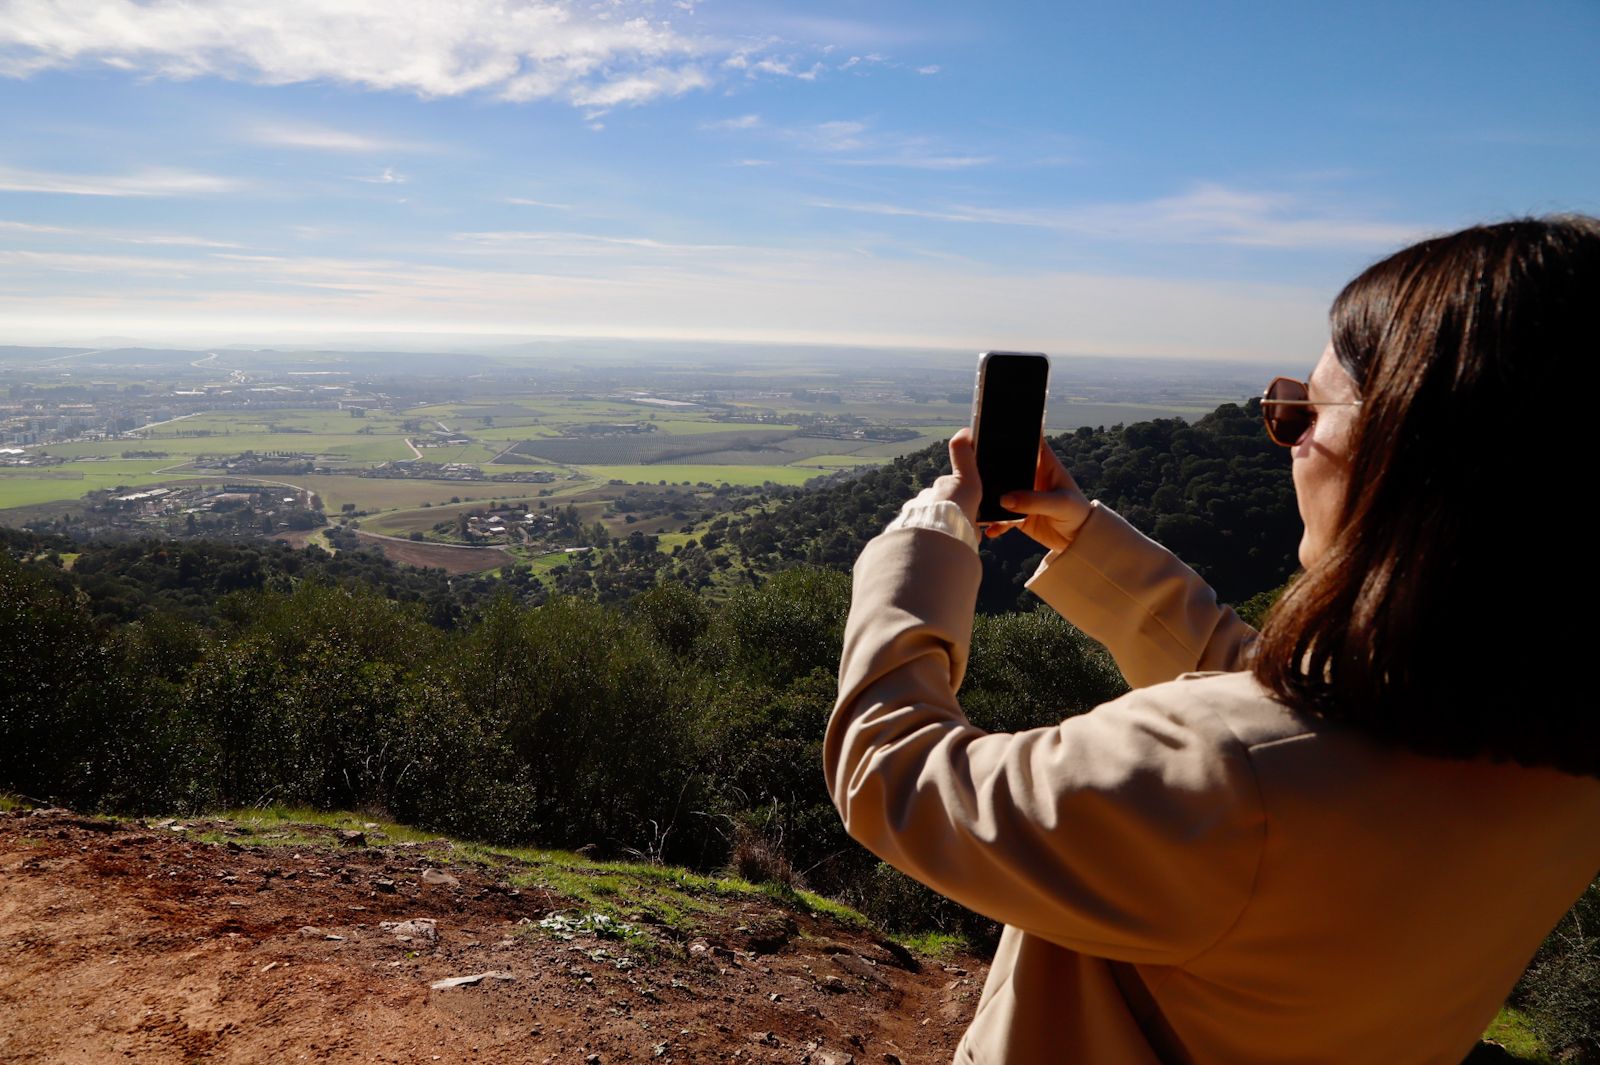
column 939, row 515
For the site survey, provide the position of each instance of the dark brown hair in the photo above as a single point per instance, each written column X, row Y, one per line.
column 1435, row 617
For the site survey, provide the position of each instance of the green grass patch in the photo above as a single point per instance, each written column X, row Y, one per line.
column 1512, row 1031
column 940, row 945
column 9, row 802
column 277, row 816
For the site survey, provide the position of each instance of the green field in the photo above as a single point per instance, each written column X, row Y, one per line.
column 30, row 489
column 827, row 462
column 337, row 439
column 747, row 475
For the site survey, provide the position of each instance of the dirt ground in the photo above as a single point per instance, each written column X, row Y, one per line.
column 136, row 941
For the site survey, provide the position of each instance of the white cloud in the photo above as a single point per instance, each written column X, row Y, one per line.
column 325, row 139
column 929, row 69
column 148, row 182
column 604, row 55
column 523, row 201
column 1207, row 214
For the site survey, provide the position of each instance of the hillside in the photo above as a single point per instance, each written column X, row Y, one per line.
column 238, row 941
column 1217, row 492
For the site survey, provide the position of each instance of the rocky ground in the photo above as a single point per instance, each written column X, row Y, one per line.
column 166, row 941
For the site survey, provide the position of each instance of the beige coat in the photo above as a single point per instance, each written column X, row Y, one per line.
column 1190, row 873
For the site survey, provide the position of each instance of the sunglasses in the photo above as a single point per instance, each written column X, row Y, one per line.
column 1286, row 407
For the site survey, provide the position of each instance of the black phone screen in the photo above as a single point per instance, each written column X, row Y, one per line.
column 1007, row 420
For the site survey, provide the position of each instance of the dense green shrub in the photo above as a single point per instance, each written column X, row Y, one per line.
column 1560, row 992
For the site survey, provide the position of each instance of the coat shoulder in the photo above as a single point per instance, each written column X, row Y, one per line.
column 1238, row 700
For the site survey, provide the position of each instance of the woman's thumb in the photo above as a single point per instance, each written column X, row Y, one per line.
column 963, row 456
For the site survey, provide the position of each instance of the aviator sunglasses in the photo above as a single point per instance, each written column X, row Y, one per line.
column 1286, row 407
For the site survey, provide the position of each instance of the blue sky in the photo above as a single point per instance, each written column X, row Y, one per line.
column 1134, row 178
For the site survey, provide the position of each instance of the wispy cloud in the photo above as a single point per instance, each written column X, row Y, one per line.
column 114, row 235
column 1208, row 214
column 841, row 135
column 581, row 243
column 148, row 182
column 523, row 201
column 326, row 139
column 388, row 176
column 640, row 87
column 740, row 122
column 784, row 67
column 853, row 142
column 917, row 161
column 605, row 55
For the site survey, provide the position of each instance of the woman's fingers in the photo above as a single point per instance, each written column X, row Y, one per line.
column 1057, row 504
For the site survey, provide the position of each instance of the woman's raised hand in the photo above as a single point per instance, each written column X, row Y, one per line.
column 1055, row 509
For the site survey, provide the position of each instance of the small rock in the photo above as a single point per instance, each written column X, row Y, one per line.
column 418, row 928
column 471, row 981
column 309, row 932
column 891, row 1059
column 834, row 984
column 385, row 886
column 592, row 1059
column 349, row 837
column 439, row 879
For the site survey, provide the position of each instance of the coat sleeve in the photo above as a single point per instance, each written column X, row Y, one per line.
column 1131, row 832
column 1154, row 614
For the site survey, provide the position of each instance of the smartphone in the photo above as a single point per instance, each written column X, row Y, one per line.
column 1007, row 420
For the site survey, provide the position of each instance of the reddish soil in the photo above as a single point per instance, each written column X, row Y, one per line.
column 451, row 559
column 137, row 942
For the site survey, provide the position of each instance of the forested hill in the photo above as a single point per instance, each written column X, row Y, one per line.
column 1217, row 492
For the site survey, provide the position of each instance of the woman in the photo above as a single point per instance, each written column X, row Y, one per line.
column 1339, row 841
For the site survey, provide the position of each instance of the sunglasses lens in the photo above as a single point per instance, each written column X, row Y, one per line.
column 1287, row 422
